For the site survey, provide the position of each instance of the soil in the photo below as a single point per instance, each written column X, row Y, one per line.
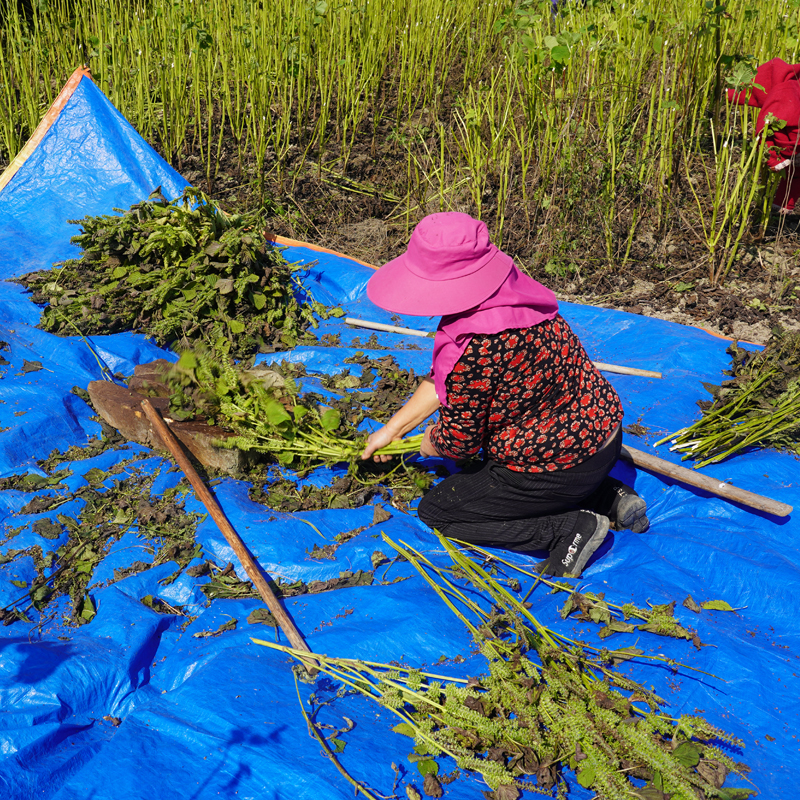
column 349, row 207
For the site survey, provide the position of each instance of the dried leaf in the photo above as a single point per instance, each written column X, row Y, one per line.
column 431, row 785
column 624, row 654
column 615, row 626
column 691, row 605
column 262, row 616
column 380, row 515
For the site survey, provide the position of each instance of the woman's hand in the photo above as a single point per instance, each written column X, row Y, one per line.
column 426, row 449
column 380, row 438
column 416, row 409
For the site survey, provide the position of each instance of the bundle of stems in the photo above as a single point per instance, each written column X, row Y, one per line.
column 758, row 407
column 547, row 703
column 267, row 413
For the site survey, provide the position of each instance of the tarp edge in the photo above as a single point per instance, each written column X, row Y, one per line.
column 41, row 129
column 286, row 241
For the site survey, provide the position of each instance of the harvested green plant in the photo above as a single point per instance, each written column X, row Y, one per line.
column 547, row 704
column 758, row 407
column 181, row 272
column 267, row 413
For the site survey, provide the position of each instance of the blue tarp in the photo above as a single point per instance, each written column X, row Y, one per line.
column 219, row 716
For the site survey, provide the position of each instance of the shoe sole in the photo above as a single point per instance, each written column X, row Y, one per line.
column 598, row 537
column 632, row 514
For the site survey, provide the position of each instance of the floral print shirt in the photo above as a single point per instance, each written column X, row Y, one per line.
column 530, row 399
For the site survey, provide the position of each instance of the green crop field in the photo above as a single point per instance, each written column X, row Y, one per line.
column 593, row 141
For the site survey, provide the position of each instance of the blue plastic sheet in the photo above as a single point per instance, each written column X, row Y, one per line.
column 205, row 717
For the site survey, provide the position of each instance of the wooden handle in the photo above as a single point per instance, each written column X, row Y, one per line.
column 643, row 373
column 234, row 540
column 693, row 478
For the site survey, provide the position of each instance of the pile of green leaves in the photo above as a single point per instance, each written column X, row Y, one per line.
column 546, row 704
column 268, row 414
column 758, row 407
column 180, row 272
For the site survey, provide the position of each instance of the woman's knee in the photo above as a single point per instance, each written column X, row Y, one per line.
column 426, row 511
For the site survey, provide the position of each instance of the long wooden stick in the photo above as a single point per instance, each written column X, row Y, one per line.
column 693, row 478
column 619, row 370
column 234, row 540
column 381, row 326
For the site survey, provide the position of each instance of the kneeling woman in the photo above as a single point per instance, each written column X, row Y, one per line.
column 514, row 385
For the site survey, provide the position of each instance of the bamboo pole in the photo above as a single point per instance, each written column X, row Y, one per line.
column 381, row 326
column 712, row 485
column 642, row 373
column 249, row 563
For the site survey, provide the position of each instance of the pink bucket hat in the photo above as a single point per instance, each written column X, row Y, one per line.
column 449, row 266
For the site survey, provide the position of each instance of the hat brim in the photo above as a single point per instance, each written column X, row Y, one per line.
column 397, row 289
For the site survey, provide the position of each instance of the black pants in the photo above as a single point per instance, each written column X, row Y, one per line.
column 492, row 506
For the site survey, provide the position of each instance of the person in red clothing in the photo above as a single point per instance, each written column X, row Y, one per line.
column 517, row 397
column 776, row 91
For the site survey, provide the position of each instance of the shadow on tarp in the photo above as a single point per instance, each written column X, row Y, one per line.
column 216, row 715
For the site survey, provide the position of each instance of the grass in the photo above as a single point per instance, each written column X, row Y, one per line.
column 581, row 129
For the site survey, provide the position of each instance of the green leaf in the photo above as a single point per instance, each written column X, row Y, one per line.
column 187, row 360
column 120, row 272
column 735, row 794
column 277, row 415
column 427, row 766
column 330, row 420
column 259, row 300
column 19, row 584
column 687, row 754
column 40, row 593
column 88, row 611
column 587, row 776
column 560, row 54
column 716, row 605
column 236, row 326
column 658, row 43
column 338, row 744
column 405, row 729
column 568, row 608
column 600, row 613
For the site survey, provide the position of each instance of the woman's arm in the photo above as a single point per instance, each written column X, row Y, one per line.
column 416, row 409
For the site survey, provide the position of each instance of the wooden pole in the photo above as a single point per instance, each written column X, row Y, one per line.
column 642, row 373
column 712, row 485
column 381, row 326
column 234, row 540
